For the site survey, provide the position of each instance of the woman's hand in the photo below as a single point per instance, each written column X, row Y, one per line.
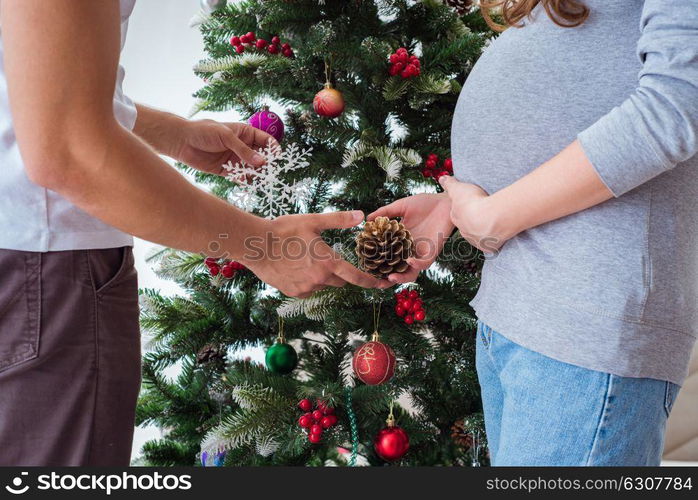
column 207, row 145
column 475, row 216
column 427, row 216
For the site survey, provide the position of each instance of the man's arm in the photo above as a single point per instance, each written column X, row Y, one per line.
column 61, row 96
column 157, row 127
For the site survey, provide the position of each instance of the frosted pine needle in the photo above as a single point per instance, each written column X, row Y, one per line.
column 228, row 63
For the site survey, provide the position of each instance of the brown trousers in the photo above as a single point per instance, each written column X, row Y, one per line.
column 69, row 357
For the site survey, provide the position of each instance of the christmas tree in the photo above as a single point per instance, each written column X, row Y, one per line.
column 366, row 90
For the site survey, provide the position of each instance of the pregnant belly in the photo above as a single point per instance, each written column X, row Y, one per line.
column 530, row 94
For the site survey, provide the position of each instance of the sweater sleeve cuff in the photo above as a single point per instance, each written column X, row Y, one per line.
column 623, row 156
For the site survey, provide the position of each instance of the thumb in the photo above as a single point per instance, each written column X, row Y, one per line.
column 447, row 182
column 337, row 220
column 236, row 145
column 395, row 209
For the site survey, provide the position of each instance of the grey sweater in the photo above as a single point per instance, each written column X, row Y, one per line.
column 613, row 288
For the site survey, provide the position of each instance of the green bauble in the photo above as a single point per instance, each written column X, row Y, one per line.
column 281, row 358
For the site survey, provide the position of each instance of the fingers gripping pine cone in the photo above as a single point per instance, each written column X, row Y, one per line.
column 383, row 247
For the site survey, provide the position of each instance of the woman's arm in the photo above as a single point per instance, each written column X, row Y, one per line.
column 648, row 134
column 564, row 185
column 61, row 94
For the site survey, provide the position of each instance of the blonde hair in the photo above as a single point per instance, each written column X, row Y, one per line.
column 565, row 13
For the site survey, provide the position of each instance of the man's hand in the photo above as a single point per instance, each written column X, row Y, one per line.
column 207, row 145
column 474, row 216
column 427, row 216
column 292, row 257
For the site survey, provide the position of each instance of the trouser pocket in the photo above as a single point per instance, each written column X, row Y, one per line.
column 20, row 307
column 670, row 393
column 485, row 333
column 108, row 267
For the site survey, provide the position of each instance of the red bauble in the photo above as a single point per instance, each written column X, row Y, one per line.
column 317, row 415
column 273, row 49
column 374, row 363
column 261, row 43
column 409, row 319
column 235, row 41
column 275, row 40
column 305, row 421
column 316, row 429
column 329, row 102
column 239, row 49
column 420, row 315
column 305, row 405
column 391, row 443
column 314, row 438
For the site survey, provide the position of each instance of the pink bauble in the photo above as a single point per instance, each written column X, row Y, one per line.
column 268, row 122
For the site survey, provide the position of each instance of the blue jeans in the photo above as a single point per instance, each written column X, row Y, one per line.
column 539, row 411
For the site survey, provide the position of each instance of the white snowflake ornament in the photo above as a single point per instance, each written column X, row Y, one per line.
column 264, row 189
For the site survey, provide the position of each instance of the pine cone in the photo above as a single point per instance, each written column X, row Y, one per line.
column 210, row 353
column 383, row 247
column 460, row 6
column 460, row 435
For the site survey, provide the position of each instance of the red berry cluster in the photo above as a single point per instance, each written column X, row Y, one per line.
column 432, row 168
column 250, row 41
column 316, row 418
column 404, row 64
column 227, row 268
column 410, row 306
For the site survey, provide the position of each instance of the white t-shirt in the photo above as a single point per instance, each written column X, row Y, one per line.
column 36, row 219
